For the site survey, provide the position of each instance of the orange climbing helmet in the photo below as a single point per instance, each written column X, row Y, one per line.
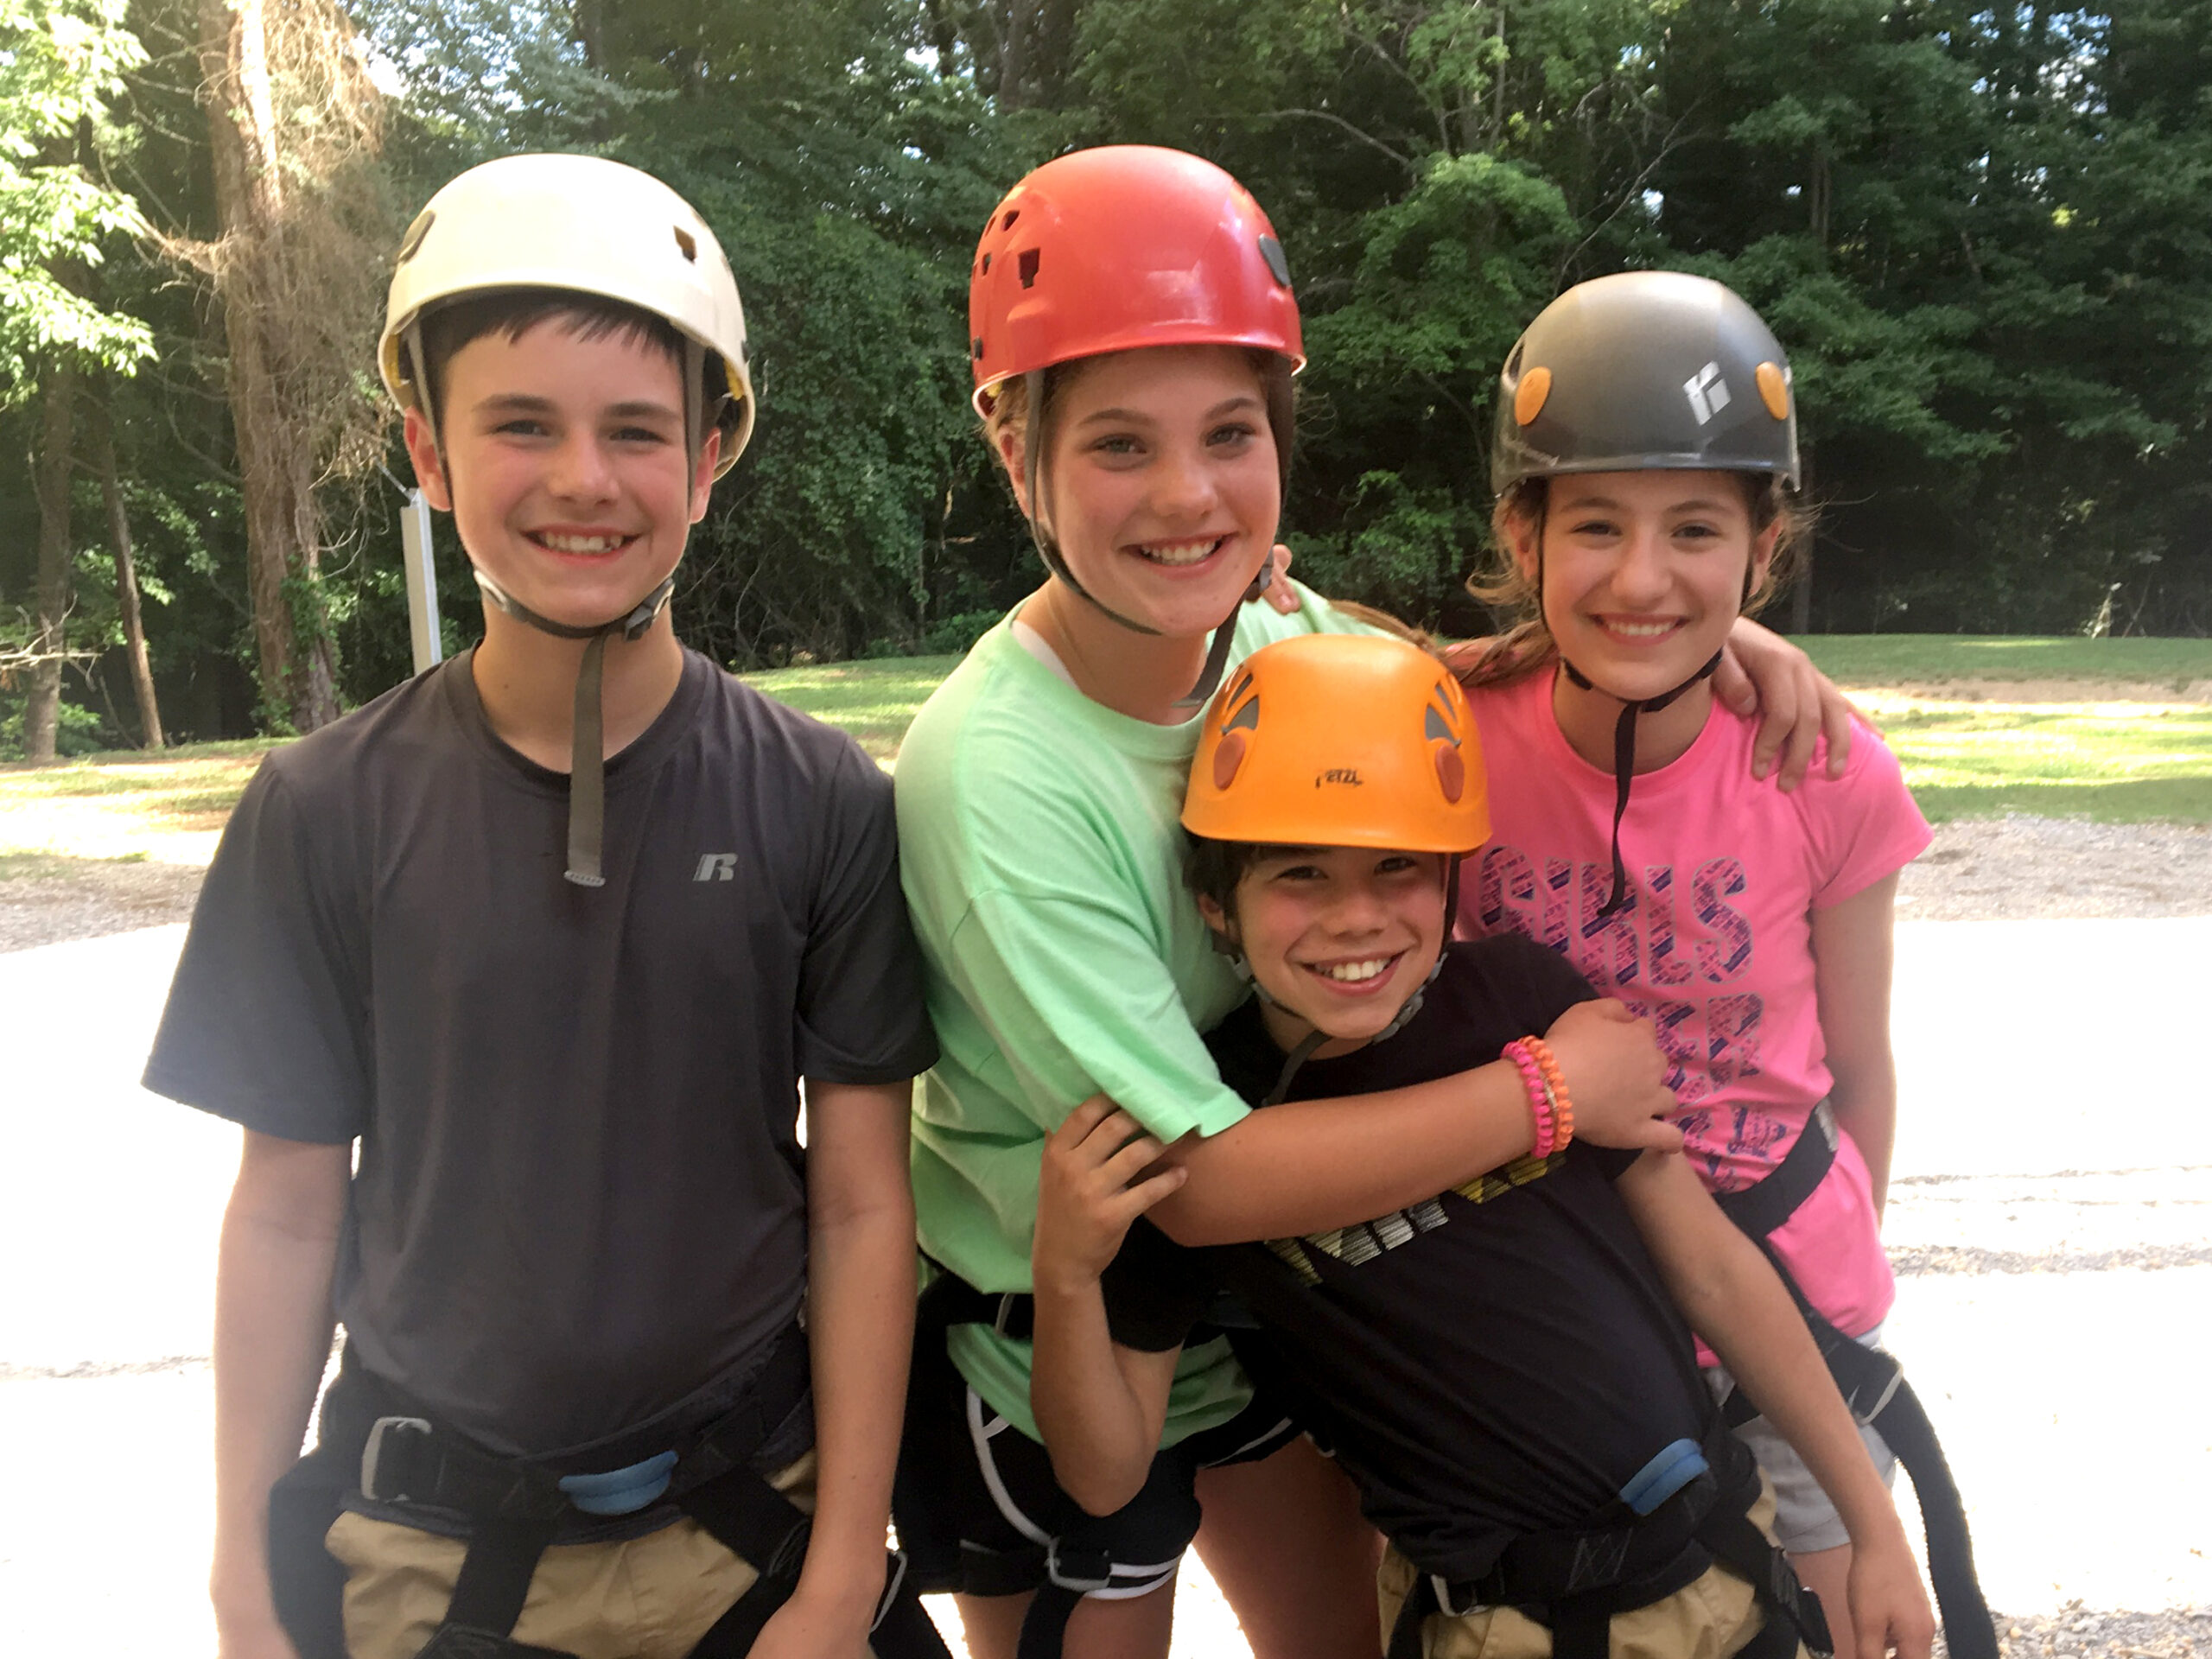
column 1341, row 740
column 1120, row 246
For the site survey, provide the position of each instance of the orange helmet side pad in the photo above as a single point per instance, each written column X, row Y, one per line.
column 1335, row 739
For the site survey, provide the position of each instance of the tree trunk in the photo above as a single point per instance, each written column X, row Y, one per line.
column 51, row 478
column 276, row 457
column 126, row 578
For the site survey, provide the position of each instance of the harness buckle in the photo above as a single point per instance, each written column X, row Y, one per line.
column 373, row 1450
column 1081, row 1570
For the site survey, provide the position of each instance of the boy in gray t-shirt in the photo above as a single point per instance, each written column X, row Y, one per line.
column 576, row 1255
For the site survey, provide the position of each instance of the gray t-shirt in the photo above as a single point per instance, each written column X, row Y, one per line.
column 579, row 1206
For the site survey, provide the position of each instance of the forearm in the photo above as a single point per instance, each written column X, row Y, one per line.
column 273, row 1325
column 1306, row 1166
column 1740, row 1307
column 859, row 1333
column 1866, row 1110
column 1100, row 1436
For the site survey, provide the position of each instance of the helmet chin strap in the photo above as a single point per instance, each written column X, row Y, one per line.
column 587, row 758
column 1048, row 547
column 1625, row 739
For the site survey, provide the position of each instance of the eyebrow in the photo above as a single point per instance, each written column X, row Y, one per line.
column 517, row 402
column 1242, row 400
column 1696, row 503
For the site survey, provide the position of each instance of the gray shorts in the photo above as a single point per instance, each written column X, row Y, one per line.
column 1805, row 1522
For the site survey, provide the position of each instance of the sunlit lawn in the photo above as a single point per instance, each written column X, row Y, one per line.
column 1965, row 756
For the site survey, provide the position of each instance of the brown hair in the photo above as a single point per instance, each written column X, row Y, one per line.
column 1526, row 644
column 514, row 312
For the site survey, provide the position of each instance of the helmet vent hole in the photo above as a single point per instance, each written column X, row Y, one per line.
column 687, row 244
column 1271, row 251
column 1006, row 224
column 987, row 266
column 1227, row 758
column 1029, row 256
column 975, row 348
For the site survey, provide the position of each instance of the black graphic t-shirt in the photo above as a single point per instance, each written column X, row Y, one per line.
column 1499, row 1360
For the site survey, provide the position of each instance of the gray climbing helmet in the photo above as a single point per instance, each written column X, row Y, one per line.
column 1643, row 370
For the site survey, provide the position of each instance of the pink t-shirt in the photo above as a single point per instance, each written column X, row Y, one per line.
column 1715, row 942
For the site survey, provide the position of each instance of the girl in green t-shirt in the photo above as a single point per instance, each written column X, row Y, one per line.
column 1133, row 334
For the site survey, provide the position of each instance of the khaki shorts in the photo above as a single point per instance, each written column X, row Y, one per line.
column 649, row 1597
column 1708, row 1618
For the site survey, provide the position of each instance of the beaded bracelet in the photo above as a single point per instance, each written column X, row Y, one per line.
column 1539, row 1098
column 1555, row 1086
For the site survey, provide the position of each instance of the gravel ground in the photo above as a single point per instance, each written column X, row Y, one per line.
column 2031, row 869
column 2003, row 869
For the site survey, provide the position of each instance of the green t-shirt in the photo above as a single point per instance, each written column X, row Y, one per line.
column 1040, row 849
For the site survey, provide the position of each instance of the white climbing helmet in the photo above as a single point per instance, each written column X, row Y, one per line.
column 589, row 225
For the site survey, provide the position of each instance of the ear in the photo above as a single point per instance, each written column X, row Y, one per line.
column 1013, row 456
column 703, row 475
column 1521, row 532
column 430, row 465
column 1215, row 917
column 1762, row 554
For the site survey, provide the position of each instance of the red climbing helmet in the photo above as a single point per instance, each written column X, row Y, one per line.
column 1121, row 246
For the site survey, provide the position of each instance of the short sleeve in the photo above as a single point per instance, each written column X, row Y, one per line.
column 1079, row 1003
column 266, row 1023
column 1864, row 824
column 1155, row 1291
column 860, row 1015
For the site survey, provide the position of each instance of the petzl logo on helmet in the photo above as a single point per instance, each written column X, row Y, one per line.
column 1707, row 392
column 1338, row 775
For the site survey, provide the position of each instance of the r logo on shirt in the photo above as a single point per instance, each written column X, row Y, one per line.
column 716, row 866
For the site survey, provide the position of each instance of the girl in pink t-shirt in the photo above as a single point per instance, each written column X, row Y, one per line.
column 1645, row 455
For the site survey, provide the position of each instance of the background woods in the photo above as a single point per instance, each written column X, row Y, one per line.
column 1985, row 235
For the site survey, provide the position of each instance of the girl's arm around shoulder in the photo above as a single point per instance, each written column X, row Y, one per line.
column 1732, row 1297
column 860, row 1335
column 1307, row 1166
column 1100, row 1405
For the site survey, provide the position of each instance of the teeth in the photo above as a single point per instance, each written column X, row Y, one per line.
column 583, row 543
column 1181, row 552
column 1641, row 629
column 1352, row 973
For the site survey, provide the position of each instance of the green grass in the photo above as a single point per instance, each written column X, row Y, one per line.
column 875, row 701
column 1911, row 658
column 1969, row 761
column 1964, row 758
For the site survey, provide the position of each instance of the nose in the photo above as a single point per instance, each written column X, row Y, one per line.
column 581, row 471
column 1640, row 575
column 1357, row 907
column 1184, row 486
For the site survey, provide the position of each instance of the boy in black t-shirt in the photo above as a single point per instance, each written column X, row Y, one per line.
column 552, row 934
column 1505, row 1370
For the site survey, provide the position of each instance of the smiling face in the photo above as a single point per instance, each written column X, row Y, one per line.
column 564, row 467
column 1161, row 485
column 1643, row 573
column 1338, row 937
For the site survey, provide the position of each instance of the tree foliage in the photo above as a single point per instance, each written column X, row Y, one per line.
column 1986, row 237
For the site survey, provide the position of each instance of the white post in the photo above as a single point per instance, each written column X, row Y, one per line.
column 422, row 580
